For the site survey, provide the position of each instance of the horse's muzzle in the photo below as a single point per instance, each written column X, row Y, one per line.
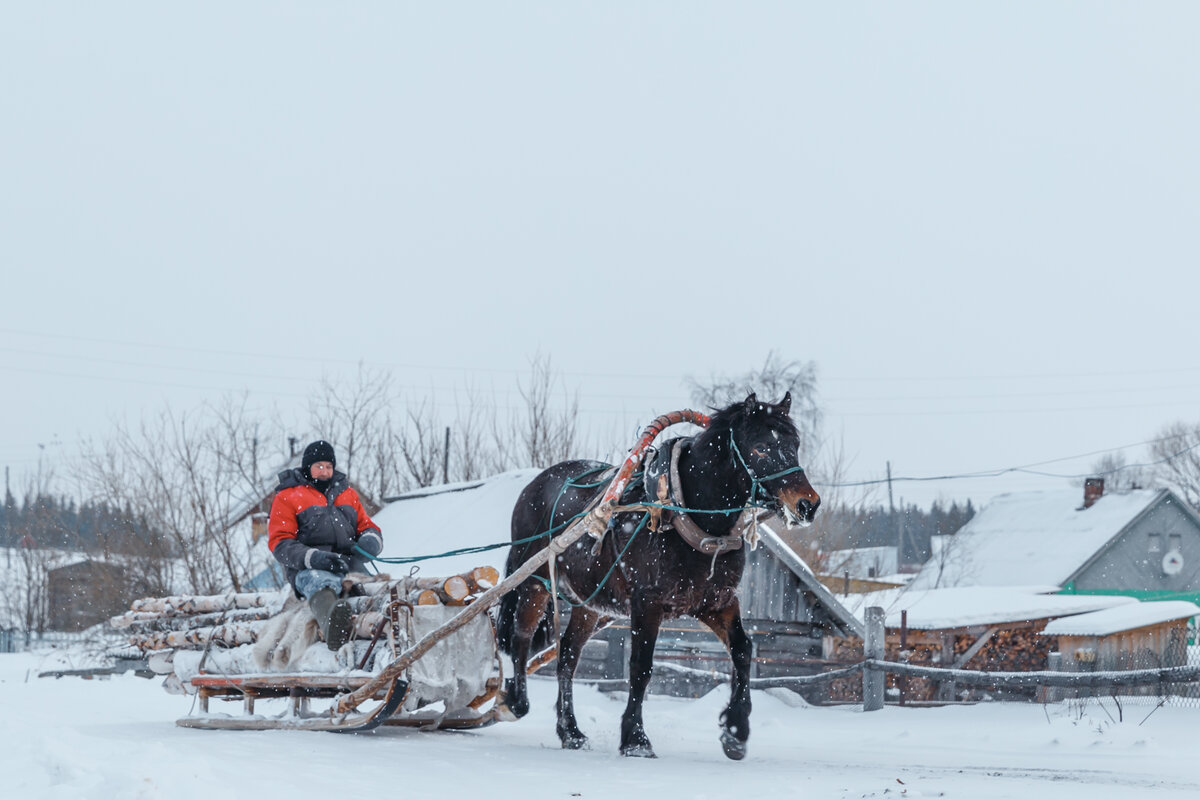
column 799, row 507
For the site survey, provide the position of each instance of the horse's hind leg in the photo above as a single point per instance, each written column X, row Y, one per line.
column 579, row 630
column 531, row 609
column 644, row 623
column 726, row 623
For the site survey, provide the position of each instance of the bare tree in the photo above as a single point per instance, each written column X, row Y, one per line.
column 775, row 378
column 28, row 598
column 468, row 446
column 422, row 444
column 542, row 432
column 1177, row 449
column 352, row 416
column 1119, row 475
column 187, row 476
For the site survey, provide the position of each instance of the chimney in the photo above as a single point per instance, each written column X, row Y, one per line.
column 1093, row 490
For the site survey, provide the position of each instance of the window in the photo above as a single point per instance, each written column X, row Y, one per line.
column 1155, row 540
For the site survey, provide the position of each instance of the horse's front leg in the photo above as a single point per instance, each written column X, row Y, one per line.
column 579, row 630
column 726, row 623
column 644, row 622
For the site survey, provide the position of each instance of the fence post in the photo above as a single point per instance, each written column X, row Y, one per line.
column 1051, row 694
column 873, row 679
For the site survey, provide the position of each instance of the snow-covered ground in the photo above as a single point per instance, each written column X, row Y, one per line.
column 116, row 738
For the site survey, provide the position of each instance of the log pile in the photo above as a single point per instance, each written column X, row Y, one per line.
column 1019, row 647
column 228, row 620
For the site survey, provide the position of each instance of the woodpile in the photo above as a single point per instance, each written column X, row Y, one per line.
column 1013, row 647
column 228, row 620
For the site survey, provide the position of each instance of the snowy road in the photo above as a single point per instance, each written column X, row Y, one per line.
column 71, row 738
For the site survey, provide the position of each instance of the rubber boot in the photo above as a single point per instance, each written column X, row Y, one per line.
column 333, row 617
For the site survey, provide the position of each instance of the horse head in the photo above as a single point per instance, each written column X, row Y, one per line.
column 766, row 444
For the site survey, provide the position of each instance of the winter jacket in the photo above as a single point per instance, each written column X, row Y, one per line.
column 304, row 520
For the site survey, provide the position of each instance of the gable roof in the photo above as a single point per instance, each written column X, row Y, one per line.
column 1032, row 538
column 792, row 560
column 1122, row 618
column 968, row 606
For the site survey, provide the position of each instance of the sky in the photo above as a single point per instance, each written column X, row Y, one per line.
column 978, row 222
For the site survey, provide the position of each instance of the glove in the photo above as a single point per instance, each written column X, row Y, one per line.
column 370, row 542
column 330, row 562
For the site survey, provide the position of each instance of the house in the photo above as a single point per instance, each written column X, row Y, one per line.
column 1142, row 543
column 85, row 593
column 786, row 609
column 863, row 569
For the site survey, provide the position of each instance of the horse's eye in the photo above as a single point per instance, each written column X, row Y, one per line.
column 759, row 452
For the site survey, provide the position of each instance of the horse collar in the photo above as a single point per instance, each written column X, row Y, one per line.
column 662, row 479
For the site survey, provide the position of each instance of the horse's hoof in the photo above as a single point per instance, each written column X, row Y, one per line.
column 513, row 706
column 574, row 742
column 734, row 747
column 640, row 750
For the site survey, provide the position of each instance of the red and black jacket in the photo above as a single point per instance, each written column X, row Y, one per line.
column 304, row 520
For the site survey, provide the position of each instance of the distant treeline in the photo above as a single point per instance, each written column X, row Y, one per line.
column 45, row 521
column 910, row 527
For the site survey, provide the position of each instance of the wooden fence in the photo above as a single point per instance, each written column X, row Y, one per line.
column 875, row 670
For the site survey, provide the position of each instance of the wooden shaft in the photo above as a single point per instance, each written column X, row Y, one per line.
column 482, row 604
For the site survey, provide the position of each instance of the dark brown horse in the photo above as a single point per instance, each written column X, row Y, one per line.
column 747, row 456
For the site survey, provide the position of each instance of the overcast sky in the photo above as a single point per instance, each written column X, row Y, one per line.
column 979, row 221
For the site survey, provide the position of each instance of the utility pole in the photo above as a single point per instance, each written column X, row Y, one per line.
column 7, row 522
column 446, row 458
column 895, row 521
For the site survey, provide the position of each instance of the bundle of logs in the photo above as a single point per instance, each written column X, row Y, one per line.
column 229, row 620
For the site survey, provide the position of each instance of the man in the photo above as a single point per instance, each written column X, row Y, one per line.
column 316, row 520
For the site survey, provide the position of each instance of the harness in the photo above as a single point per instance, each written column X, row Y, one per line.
column 662, row 483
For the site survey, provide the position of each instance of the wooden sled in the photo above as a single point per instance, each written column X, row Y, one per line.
column 300, row 689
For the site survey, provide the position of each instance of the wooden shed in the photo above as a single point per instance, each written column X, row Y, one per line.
column 1138, row 636
column 86, row 593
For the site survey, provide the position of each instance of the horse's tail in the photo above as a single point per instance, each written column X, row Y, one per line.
column 506, row 617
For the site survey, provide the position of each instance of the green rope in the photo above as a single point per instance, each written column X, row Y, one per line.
column 570, row 483
column 546, row 581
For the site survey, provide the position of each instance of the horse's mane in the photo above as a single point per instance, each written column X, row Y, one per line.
column 756, row 413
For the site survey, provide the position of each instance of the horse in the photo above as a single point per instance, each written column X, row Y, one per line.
column 747, row 456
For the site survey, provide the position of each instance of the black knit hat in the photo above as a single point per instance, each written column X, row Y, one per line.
column 317, row 452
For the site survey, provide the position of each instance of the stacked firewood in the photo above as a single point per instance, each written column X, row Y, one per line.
column 1019, row 649
column 229, row 620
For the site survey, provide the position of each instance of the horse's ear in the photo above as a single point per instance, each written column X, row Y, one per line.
column 785, row 405
column 751, row 399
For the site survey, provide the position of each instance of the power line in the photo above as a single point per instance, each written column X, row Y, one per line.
column 1026, row 469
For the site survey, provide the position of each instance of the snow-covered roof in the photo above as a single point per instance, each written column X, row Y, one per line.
column 962, row 607
column 1030, row 537
column 431, row 522
column 1122, row 618
column 863, row 562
